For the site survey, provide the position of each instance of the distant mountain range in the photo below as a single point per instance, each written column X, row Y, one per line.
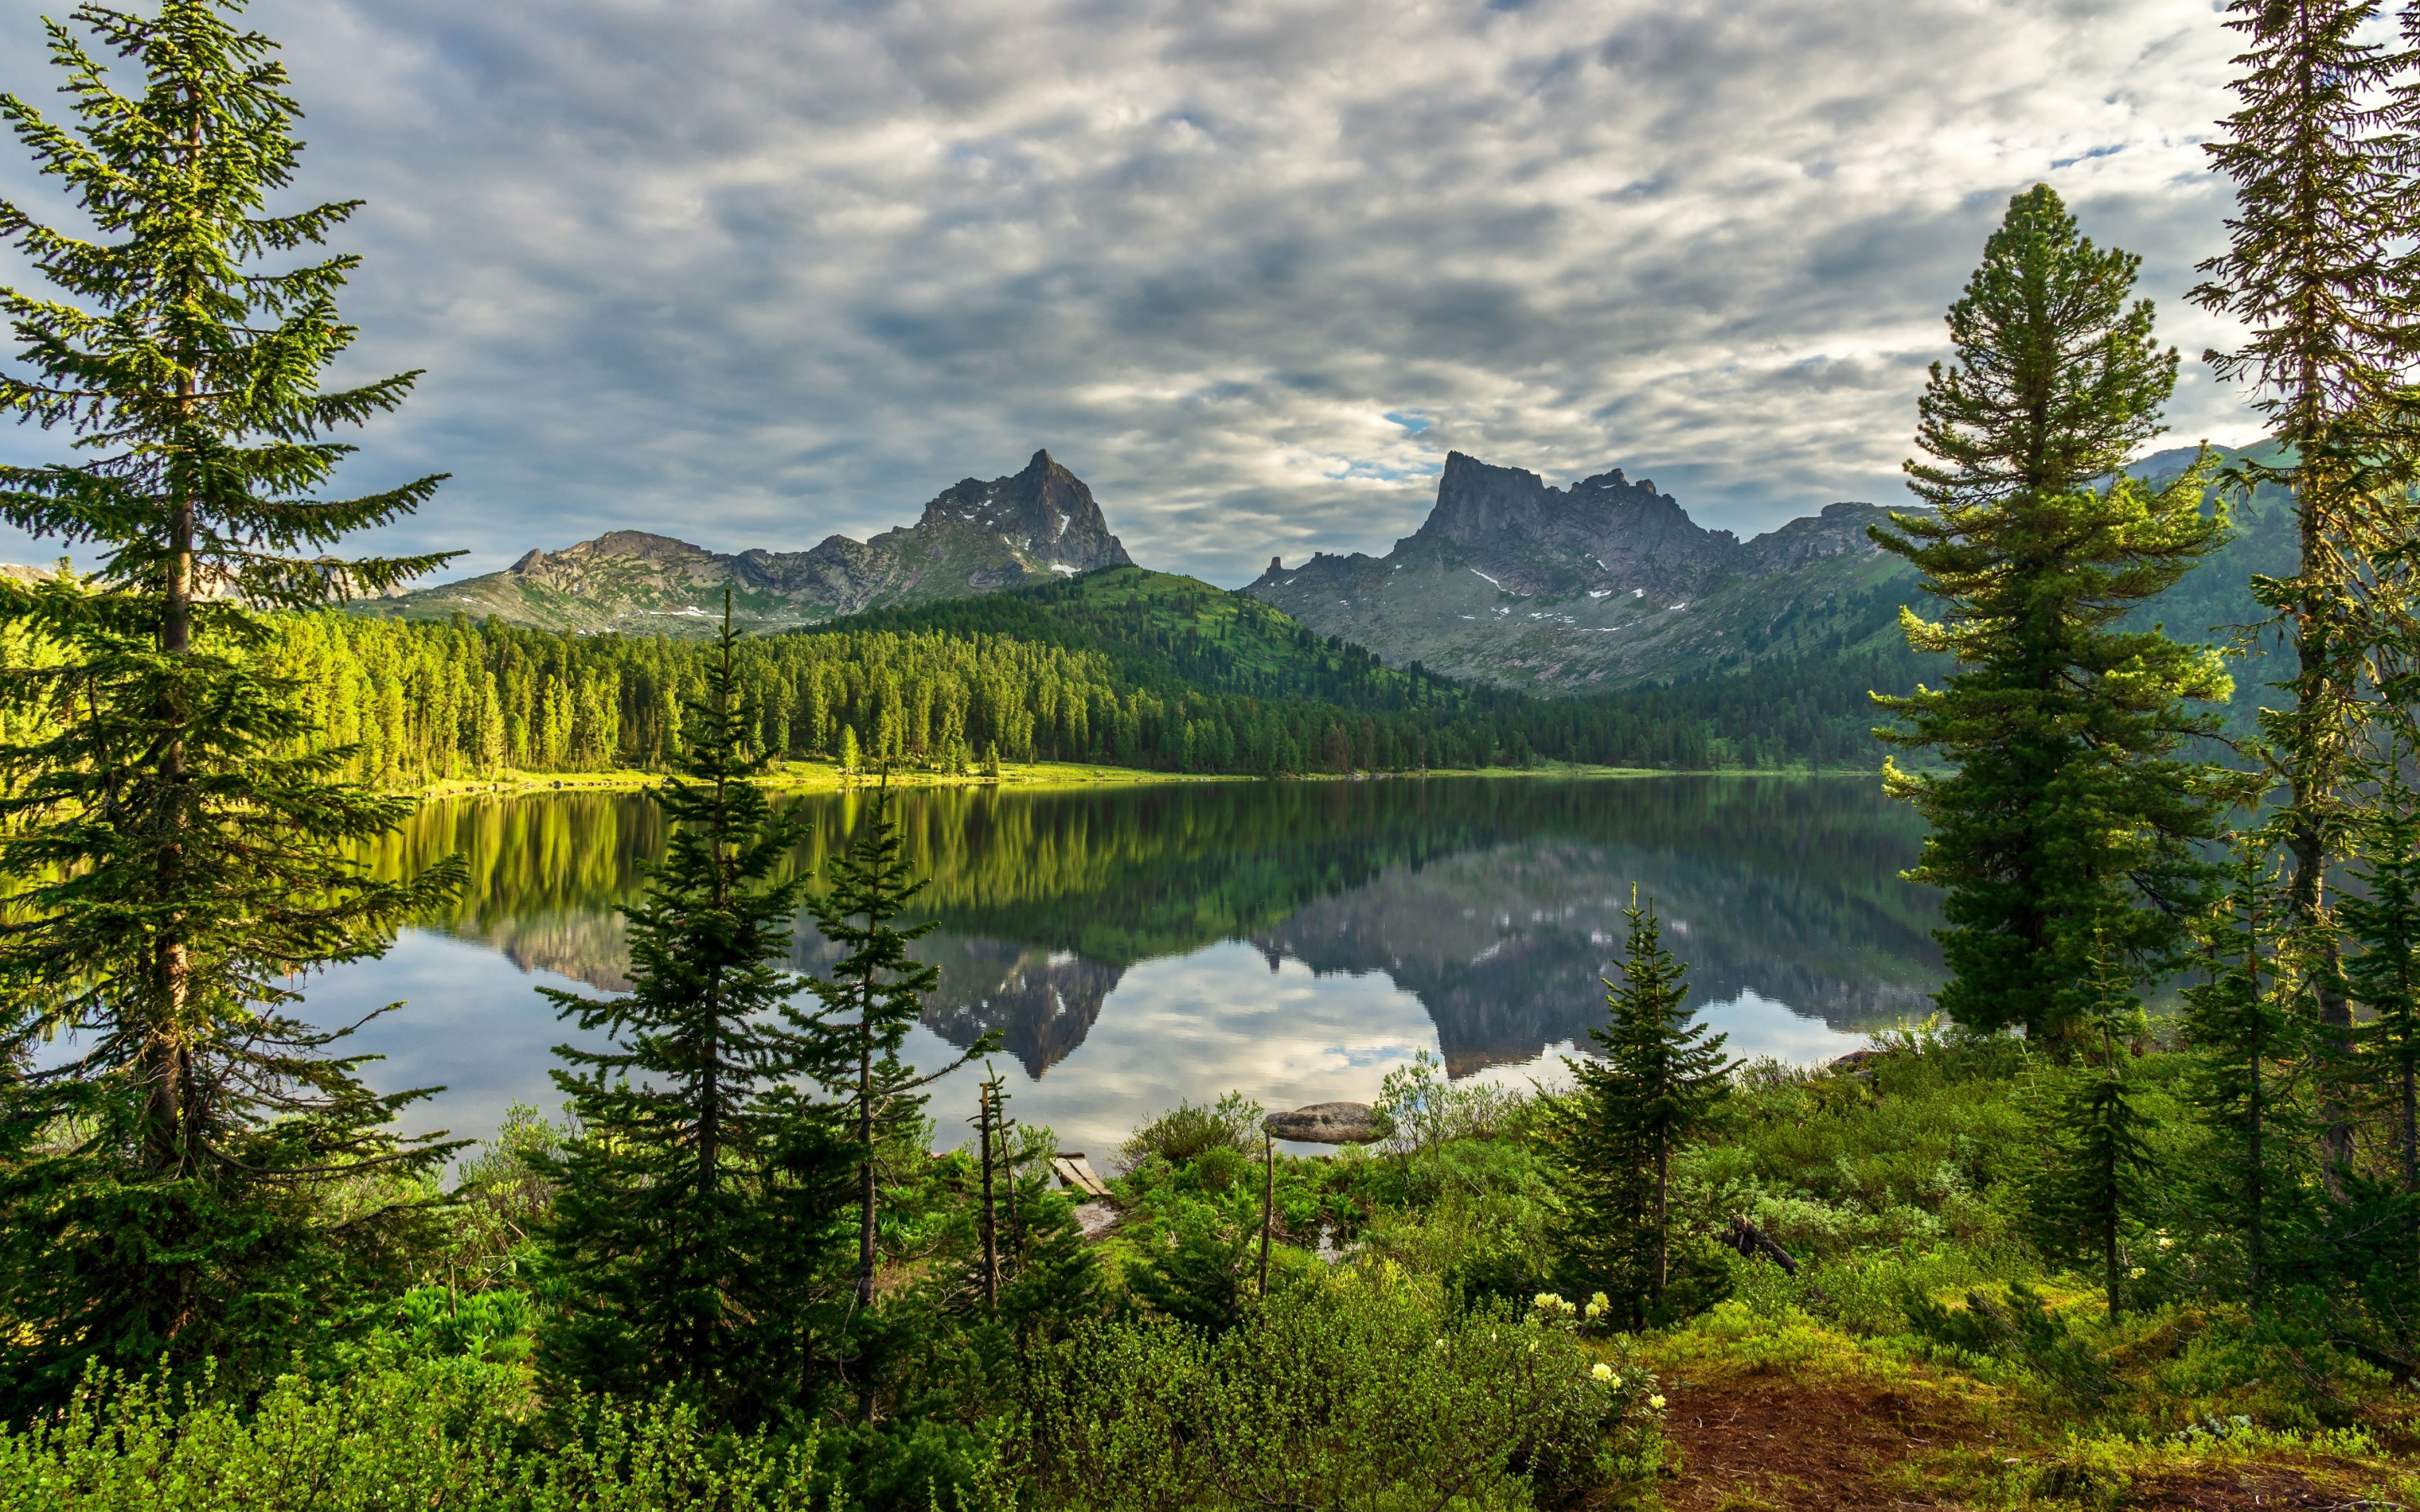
column 1602, row 586
column 1510, row 582
column 974, row 537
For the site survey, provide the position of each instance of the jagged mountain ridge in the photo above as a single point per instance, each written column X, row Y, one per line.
column 973, row 537
column 1601, row 586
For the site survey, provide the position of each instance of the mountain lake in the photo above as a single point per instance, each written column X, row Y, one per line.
column 1139, row 945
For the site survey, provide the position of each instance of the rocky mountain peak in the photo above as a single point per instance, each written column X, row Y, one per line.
column 975, row 538
column 1044, row 513
column 1603, row 532
column 1603, row 584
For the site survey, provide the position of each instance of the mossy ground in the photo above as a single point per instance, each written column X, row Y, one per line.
column 1895, row 1183
column 1780, row 1410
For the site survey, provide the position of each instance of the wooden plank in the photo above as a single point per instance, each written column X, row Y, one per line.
column 1092, row 1184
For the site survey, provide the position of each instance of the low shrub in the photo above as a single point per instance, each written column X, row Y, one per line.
column 1190, row 1130
column 1367, row 1387
column 415, row 1434
column 1421, row 1108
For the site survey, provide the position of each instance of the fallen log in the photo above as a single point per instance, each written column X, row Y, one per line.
column 1751, row 1242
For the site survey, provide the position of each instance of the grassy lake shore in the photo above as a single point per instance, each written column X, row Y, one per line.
column 823, row 776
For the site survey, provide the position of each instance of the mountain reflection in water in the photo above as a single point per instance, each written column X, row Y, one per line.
column 1493, row 904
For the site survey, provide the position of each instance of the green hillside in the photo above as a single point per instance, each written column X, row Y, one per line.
column 1167, row 631
column 1799, row 697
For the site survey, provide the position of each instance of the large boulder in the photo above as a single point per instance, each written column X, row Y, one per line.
column 1325, row 1124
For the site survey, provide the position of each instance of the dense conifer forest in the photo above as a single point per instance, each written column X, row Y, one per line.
column 418, row 702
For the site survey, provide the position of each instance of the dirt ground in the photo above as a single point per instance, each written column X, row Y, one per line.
column 1764, row 1443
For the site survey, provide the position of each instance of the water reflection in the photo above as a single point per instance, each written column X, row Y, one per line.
column 1135, row 946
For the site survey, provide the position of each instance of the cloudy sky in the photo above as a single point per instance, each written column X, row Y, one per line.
column 753, row 271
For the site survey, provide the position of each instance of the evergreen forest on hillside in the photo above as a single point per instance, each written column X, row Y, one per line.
column 2133, row 1219
column 941, row 690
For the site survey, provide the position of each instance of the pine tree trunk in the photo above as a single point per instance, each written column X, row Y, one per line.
column 165, row 1061
column 710, row 1122
column 2410, row 1104
column 1268, row 1201
column 2112, row 1196
column 2255, row 1194
column 167, row 1067
column 990, row 1221
column 865, row 1187
column 865, row 1167
column 1663, row 1223
column 709, row 1153
column 2311, row 773
column 2109, row 1250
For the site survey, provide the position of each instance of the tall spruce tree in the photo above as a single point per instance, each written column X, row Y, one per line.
column 873, row 994
column 2380, row 914
column 2252, row 1054
column 2069, row 816
column 2101, row 1177
column 695, row 1220
column 172, row 875
column 2318, row 269
column 1657, row 1078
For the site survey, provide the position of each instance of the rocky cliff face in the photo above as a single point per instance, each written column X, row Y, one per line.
column 1604, row 531
column 975, row 538
column 1604, row 584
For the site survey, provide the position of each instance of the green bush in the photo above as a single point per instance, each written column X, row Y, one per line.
column 405, row 1436
column 1420, row 1108
column 1188, row 1130
column 2020, row 1329
column 1364, row 1388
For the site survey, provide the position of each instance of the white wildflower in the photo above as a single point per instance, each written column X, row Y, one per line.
column 1605, row 1372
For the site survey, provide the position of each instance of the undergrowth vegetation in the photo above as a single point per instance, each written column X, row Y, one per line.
column 1408, row 1349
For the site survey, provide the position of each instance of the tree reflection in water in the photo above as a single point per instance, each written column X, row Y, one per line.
column 1492, row 902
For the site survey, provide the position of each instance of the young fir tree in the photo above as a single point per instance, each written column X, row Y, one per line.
column 2380, row 914
column 2251, row 1050
column 695, row 1215
column 2102, row 1175
column 2317, row 272
column 176, row 854
column 2069, row 816
column 1657, row 1079
column 872, row 997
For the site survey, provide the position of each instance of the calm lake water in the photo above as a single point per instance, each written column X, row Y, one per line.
column 1138, row 946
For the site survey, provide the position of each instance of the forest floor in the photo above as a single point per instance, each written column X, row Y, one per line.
column 1823, row 1422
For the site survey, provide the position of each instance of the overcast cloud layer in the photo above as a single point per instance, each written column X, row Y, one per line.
column 753, row 271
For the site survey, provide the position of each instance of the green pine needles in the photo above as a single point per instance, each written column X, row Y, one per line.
column 174, row 875
column 2252, row 1049
column 2069, row 819
column 872, row 997
column 2101, row 1177
column 696, row 1211
column 1657, row 1079
column 2317, row 270
column 2380, row 914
